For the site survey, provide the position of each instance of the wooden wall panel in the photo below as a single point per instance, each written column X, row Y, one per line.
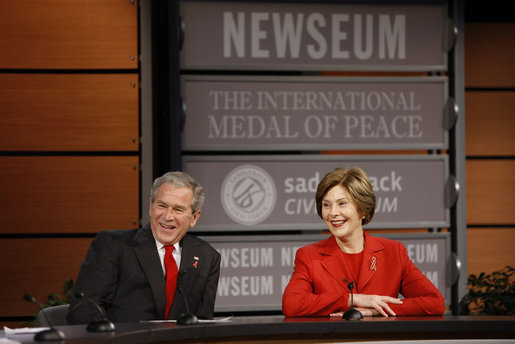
column 37, row 267
column 69, row 112
column 490, row 123
column 490, row 249
column 489, row 54
column 490, row 192
column 70, row 34
column 70, row 194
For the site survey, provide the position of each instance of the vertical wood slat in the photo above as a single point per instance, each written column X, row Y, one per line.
column 70, row 194
column 489, row 54
column 490, row 249
column 37, row 267
column 72, row 34
column 490, row 122
column 490, row 190
column 69, row 112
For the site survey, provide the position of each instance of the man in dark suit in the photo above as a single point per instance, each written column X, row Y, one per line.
column 124, row 270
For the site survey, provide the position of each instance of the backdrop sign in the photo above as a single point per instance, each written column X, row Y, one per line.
column 255, row 272
column 313, row 36
column 282, row 113
column 277, row 192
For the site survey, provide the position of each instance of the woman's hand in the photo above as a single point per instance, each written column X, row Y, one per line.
column 336, row 315
column 366, row 312
column 370, row 304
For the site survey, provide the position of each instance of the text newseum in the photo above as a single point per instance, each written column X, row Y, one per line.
column 312, row 36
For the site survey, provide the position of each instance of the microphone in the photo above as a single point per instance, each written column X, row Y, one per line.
column 51, row 334
column 352, row 313
column 104, row 325
column 186, row 318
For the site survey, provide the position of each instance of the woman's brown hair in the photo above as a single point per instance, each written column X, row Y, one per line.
column 356, row 182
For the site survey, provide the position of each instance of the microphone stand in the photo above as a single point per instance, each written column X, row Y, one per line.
column 186, row 318
column 52, row 334
column 104, row 325
column 352, row 313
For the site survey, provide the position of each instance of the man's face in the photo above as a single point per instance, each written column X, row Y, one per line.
column 171, row 214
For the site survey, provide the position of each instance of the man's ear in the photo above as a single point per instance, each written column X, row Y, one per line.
column 195, row 218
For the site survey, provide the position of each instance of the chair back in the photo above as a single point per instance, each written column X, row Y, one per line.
column 56, row 315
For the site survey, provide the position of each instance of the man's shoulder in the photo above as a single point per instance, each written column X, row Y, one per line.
column 120, row 235
column 193, row 240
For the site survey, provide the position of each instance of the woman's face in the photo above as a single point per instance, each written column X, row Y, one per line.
column 340, row 214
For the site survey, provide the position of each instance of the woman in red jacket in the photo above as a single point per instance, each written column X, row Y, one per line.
column 378, row 268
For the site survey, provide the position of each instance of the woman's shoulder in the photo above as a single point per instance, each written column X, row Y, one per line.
column 318, row 246
column 385, row 242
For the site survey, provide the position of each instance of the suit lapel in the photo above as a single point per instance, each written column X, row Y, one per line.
column 146, row 251
column 334, row 264
column 373, row 259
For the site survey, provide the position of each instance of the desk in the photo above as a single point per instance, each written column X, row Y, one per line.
column 277, row 329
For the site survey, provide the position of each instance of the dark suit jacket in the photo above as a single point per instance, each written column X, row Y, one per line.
column 318, row 287
column 122, row 272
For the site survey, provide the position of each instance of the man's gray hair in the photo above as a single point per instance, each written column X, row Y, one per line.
column 180, row 180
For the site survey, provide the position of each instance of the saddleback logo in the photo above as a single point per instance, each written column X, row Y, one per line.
column 248, row 194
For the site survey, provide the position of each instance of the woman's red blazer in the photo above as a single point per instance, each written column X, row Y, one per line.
column 319, row 284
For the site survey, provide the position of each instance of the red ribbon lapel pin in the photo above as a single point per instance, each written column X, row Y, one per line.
column 373, row 264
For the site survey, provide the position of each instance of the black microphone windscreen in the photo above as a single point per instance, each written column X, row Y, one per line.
column 27, row 297
column 52, row 334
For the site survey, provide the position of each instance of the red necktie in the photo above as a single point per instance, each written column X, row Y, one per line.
column 171, row 278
